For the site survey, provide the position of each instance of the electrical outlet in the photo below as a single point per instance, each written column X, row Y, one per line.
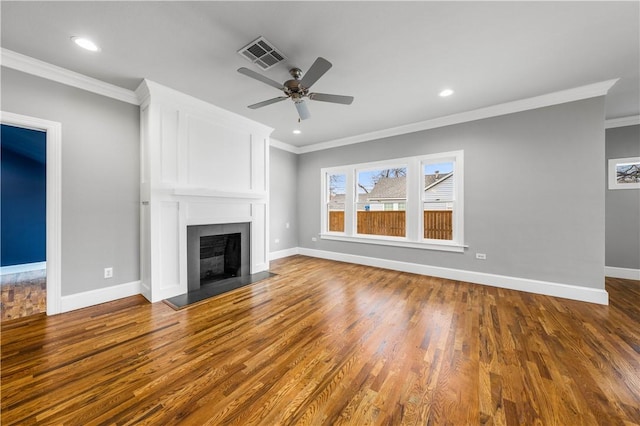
column 277, row 241
column 286, row 225
column 108, row 272
column 314, row 239
column 481, row 256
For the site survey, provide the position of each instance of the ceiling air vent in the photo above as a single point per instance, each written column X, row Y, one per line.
column 262, row 53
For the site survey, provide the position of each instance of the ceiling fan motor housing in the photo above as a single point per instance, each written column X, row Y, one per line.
column 294, row 89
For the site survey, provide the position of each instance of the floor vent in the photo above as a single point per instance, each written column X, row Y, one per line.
column 262, row 53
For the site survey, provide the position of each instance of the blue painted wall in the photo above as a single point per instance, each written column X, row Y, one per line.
column 23, row 195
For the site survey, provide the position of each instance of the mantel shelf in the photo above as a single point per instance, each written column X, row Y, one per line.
column 206, row 192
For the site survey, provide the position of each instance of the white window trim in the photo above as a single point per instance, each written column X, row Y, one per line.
column 414, row 204
column 457, row 157
column 325, row 191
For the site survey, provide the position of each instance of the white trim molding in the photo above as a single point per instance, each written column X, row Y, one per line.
column 612, row 123
column 555, row 98
column 284, row 146
column 443, row 245
column 284, row 253
column 567, row 291
column 625, row 273
column 101, row 295
column 54, row 200
column 29, row 65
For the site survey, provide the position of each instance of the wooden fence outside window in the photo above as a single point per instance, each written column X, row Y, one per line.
column 438, row 224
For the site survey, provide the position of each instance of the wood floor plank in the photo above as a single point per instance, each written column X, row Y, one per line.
column 330, row 343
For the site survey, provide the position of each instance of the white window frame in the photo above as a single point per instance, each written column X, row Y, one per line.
column 325, row 199
column 414, row 235
column 458, row 194
column 369, row 167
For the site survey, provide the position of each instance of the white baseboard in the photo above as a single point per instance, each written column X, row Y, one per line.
column 284, row 253
column 626, row 273
column 567, row 291
column 95, row 297
column 26, row 267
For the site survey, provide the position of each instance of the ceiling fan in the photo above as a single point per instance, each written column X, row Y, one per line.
column 297, row 88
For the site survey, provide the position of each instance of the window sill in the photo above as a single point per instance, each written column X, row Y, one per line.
column 397, row 242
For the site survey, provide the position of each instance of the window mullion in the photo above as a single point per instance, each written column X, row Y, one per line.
column 413, row 200
column 458, row 200
column 349, row 203
column 324, row 214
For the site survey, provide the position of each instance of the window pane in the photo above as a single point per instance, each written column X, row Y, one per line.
column 438, row 200
column 335, row 204
column 438, row 223
column 380, row 206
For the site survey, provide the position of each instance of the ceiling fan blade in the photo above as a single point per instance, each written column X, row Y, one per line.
column 268, row 102
column 303, row 111
column 317, row 70
column 260, row 77
column 336, row 99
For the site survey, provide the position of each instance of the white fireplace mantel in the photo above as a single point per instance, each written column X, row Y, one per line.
column 200, row 165
column 206, row 192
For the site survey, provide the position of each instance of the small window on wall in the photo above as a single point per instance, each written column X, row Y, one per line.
column 335, row 196
column 380, row 204
column 438, row 200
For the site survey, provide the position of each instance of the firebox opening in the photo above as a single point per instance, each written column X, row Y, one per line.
column 220, row 257
column 216, row 253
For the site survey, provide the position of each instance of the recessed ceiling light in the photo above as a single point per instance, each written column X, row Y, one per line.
column 85, row 43
column 445, row 93
column 296, row 132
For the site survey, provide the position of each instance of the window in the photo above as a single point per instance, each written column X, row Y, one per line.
column 335, row 199
column 379, row 192
column 438, row 200
column 409, row 202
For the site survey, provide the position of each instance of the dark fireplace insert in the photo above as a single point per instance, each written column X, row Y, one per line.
column 219, row 257
column 217, row 252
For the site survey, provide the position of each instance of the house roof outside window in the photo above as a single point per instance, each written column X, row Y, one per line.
column 393, row 190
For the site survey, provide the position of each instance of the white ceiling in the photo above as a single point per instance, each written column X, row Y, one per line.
column 393, row 57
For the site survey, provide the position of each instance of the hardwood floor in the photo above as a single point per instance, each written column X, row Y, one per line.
column 23, row 294
column 331, row 343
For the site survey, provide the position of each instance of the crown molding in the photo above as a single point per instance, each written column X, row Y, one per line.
column 612, row 123
column 284, row 146
column 555, row 98
column 29, row 65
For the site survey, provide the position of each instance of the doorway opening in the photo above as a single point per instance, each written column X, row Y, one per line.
column 17, row 265
column 23, row 155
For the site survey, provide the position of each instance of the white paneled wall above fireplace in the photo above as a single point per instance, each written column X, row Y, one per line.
column 200, row 165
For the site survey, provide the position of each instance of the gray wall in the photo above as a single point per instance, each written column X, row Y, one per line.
column 534, row 189
column 100, row 177
column 283, row 196
column 622, row 205
column 534, row 194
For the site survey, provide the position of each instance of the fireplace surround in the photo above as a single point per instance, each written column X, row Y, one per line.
column 200, row 165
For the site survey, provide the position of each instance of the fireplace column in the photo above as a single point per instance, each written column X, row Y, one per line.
column 200, row 165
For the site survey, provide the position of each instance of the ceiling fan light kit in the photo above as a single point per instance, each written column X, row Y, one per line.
column 298, row 87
